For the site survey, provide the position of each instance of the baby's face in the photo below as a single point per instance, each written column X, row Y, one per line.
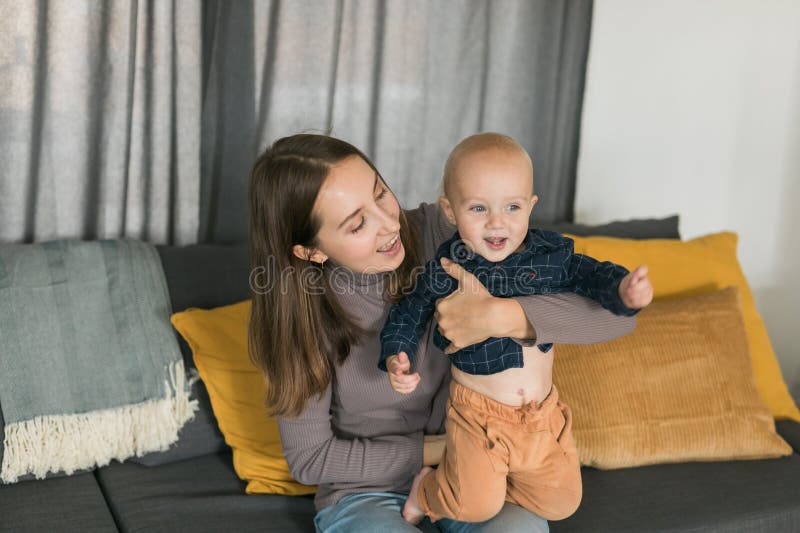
column 490, row 201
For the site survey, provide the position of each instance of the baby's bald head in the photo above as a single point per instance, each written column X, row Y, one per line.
column 488, row 194
column 475, row 144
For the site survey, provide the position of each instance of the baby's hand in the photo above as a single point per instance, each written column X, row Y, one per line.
column 398, row 367
column 635, row 289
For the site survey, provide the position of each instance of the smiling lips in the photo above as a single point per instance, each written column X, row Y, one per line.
column 392, row 245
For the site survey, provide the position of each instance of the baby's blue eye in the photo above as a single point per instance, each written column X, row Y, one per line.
column 477, row 208
column 513, row 207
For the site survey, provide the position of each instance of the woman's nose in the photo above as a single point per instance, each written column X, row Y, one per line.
column 390, row 221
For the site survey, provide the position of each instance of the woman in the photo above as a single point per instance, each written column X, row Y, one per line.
column 339, row 250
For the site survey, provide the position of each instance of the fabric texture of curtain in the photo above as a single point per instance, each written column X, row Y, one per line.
column 143, row 118
column 100, row 107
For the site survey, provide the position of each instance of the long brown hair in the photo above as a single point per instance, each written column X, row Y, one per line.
column 297, row 326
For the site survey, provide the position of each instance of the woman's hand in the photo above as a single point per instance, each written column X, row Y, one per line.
column 433, row 449
column 470, row 314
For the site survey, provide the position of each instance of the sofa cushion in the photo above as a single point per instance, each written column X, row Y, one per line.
column 218, row 338
column 200, row 494
column 649, row 228
column 73, row 503
column 729, row 497
column 678, row 388
column 204, row 494
column 206, row 275
column 700, row 265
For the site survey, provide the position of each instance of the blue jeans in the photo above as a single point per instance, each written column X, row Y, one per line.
column 380, row 512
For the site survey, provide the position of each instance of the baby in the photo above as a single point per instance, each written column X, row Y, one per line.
column 509, row 438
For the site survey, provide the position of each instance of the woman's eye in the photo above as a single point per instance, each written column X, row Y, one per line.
column 383, row 193
column 477, row 208
column 358, row 228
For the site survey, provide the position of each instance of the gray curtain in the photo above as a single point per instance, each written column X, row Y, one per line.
column 100, row 106
column 167, row 103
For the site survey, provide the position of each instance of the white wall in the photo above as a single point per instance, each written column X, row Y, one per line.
column 693, row 107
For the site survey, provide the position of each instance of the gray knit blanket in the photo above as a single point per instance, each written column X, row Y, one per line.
column 90, row 369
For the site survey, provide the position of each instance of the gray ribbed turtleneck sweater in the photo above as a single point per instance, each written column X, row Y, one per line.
column 361, row 436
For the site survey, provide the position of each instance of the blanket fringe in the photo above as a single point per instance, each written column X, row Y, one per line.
column 81, row 441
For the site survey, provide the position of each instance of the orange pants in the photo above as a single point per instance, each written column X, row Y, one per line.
column 497, row 453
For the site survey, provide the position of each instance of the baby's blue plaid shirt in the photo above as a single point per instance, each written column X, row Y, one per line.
column 546, row 265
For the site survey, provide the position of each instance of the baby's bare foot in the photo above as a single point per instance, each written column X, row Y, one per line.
column 412, row 511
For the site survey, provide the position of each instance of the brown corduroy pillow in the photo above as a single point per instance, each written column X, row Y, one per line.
column 679, row 388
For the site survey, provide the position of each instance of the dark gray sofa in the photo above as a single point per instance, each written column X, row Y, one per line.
column 193, row 486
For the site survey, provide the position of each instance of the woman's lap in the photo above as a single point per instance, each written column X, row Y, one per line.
column 380, row 511
column 368, row 511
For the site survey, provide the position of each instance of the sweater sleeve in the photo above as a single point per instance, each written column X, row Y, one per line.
column 315, row 455
column 568, row 318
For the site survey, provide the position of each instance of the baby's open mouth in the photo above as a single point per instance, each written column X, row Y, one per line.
column 496, row 243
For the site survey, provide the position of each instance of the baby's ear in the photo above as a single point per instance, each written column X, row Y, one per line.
column 534, row 199
column 444, row 203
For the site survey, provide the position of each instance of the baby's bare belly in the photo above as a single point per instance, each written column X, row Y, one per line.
column 515, row 386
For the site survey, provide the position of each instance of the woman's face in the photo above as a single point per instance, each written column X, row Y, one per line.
column 360, row 219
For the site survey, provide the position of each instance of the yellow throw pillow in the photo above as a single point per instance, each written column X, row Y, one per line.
column 692, row 267
column 679, row 388
column 218, row 339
